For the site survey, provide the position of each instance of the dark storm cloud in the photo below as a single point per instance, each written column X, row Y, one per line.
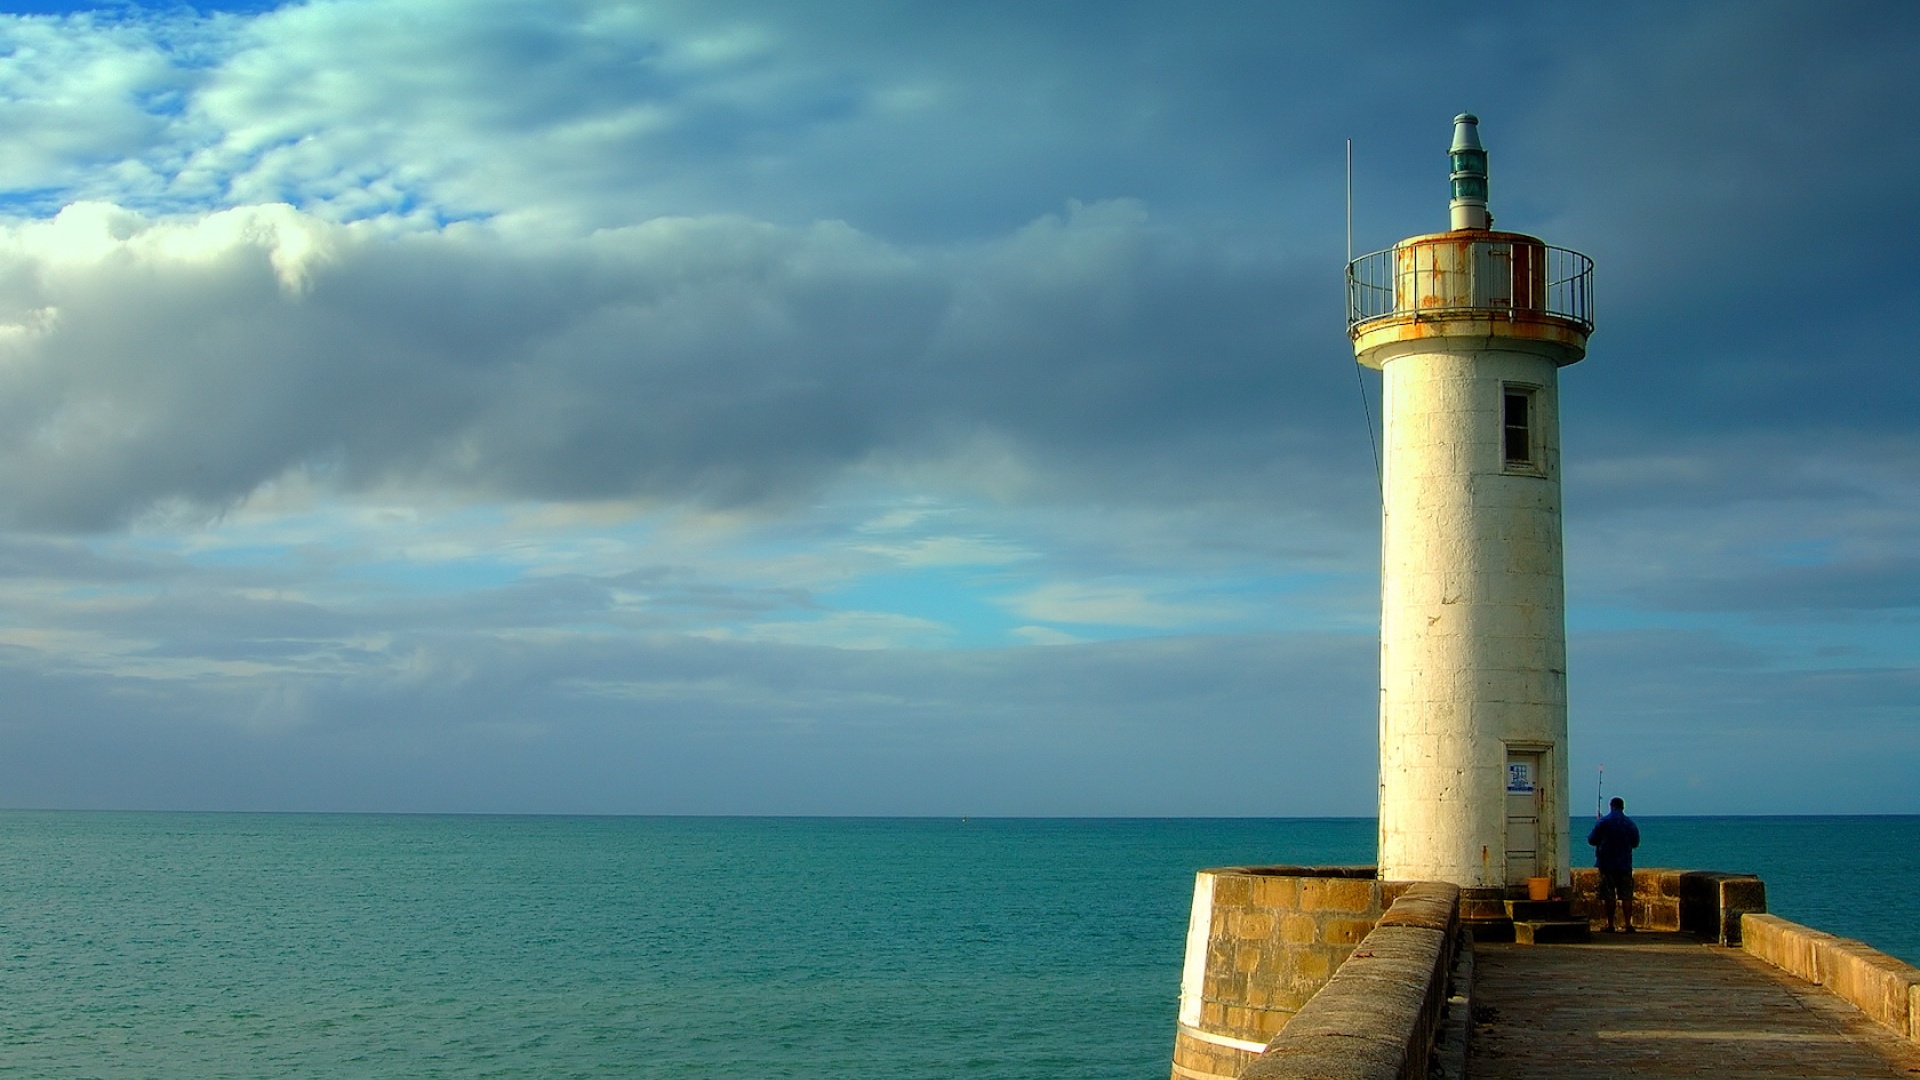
column 1742, row 178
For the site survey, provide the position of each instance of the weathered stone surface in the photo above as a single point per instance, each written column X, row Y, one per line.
column 1792, row 948
column 1276, row 893
column 1658, row 1005
column 1232, row 890
column 1712, row 902
column 1194, row 1057
column 1298, row 929
column 1480, row 904
column 1472, row 632
column 1739, row 895
column 1879, row 985
column 1426, row 905
column 1310, row 972
column 1327, row 1057
column 1539, row 910
column 1337, row 894
column 1266, row 953
column 1661, row 900
column 1346, row 931
column 1375, row 1019
column 1551, row 932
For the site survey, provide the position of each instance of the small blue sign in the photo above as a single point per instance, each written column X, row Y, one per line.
column 1519, row 777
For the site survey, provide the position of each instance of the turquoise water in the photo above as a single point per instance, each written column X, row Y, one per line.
column 1858, row 877
column 252, row 945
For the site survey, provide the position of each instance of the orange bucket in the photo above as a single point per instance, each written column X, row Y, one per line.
column 1539, row 888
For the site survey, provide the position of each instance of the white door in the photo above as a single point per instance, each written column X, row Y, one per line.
column 1523, row 817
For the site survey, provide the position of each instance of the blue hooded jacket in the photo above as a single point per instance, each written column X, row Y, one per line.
column 1615, row 836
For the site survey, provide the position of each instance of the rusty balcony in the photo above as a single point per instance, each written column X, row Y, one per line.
column 1470, row 275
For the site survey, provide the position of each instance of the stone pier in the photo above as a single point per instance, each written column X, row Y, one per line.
column 1705, row 986
column 1657, row 1005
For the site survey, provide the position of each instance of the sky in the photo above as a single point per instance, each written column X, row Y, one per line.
column 790, row 407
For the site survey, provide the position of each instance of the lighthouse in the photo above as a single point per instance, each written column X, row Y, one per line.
column 1469, row 329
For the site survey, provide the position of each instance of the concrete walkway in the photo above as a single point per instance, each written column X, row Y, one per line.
column 1664, row 1005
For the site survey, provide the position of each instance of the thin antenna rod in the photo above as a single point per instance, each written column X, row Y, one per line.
column 1379, row 477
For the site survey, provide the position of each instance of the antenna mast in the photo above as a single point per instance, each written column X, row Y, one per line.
column 1349, row 202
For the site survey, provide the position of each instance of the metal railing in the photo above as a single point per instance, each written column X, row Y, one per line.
column 1480, row 277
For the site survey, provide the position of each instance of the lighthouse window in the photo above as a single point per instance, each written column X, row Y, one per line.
column 1518, row 427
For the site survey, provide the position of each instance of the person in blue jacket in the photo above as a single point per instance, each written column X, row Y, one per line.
column 1614, row 837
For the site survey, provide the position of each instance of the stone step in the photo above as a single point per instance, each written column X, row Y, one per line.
column 1489, row 929
column 1552, row 910
column 1551, row 931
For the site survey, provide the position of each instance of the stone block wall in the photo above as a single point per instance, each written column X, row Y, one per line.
column 1712, row 903
column 1262, row 941
column 1375, row 1020
column 1656, row 897
column 1703, row 902
column 1877, row 984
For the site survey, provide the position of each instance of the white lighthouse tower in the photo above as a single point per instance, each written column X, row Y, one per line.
column 1469, row 329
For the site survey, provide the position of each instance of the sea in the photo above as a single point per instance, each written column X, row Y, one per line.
column 271, row 945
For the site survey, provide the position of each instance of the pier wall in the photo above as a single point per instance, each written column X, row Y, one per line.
column 1261, row 941
column 1877, row 984
column 1376, row 1018
column 1706, row 903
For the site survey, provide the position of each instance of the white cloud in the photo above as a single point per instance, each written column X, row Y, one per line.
column 190, row 360
column 90, row 104
column 560, row 114
column 1113, row 605
column 1046, row 635
column 843, row 630
column 951, row 551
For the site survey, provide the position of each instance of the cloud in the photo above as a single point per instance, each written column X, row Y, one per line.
column 189, row 361
column 1045, row 635
column 846, row 630
column 1111, row 340
column 327, row 104
column 1851, row 585
column 1761, row 524
column 504, row 404
column 951, row 551
column 1696, row 722
column 637, row 725
column 91, row 103
column 1109, row 605
column 40, row 559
